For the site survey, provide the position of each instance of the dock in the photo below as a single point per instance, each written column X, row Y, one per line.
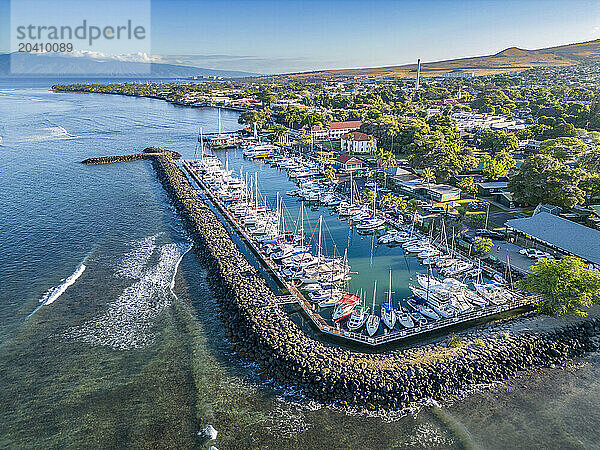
column 296, row 297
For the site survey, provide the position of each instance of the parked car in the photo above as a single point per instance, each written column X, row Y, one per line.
column 489, row 234
column 535, row 253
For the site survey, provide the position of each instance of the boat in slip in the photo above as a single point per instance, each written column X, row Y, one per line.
column 326, row 298
column 373, row 320
column 345, row 307
column 388, row 313
column 419, row 305
column 418, row 319
column 358, row 318
column 371, row 223
column 404, row 318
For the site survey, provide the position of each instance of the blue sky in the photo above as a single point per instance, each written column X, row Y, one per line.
column 288, row 35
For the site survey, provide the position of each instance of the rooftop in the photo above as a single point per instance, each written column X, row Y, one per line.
column 562, row 233
column 345, row 159
column 356, row 136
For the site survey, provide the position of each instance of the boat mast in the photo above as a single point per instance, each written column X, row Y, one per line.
column 302, row 223
column 390, row 291
column 219, row 121
column 201, row 144
column 319, row 246
column 374, row 293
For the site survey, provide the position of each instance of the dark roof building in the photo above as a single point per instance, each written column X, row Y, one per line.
column 563, row 234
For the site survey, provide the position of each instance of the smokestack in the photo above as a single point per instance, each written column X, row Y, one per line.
column 418, row 73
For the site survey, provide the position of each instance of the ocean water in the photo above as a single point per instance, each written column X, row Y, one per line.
column 109, row 335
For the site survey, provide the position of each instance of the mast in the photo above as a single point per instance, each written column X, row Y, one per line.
column 256, row 195
column 319, row 246
column 390, row 291
column 219, row 121
column 201, row 144
column 374, row 293
column 351, row 191
column 302, row 223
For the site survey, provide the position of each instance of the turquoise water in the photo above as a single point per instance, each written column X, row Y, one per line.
column 369, row 261
column 131, row 354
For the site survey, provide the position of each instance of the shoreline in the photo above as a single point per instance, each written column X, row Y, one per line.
column 260, row 330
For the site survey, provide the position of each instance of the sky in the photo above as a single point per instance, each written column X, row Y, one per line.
column 265, row 36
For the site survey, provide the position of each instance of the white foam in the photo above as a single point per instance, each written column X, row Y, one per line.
column 50, row 133
column 134, row 262
column 127, row 322
column 54, row 293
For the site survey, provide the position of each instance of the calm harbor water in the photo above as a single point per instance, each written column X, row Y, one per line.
column 128, row 351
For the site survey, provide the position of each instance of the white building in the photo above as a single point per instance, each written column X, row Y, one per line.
column 357, row 142
column 335, row 130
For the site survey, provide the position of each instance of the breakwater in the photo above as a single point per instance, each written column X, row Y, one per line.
column 149, row 152
column 260, row 329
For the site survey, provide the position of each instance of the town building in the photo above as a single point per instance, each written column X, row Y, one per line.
column 468, row 121
column 357, row 142
column 347, row 163
column 490, row 188
column 560, row 234
column 334, row 131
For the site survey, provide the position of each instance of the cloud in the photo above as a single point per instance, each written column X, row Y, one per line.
column 125, row 57
column 596, row 31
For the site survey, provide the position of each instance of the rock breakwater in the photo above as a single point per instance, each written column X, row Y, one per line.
column 148, row 153
column 261, row 330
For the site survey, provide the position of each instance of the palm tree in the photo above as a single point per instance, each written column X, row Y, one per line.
column 330, row 173
column 388, row 159
column 380, row 156
column 278, row 133
column 429, row 176
column 350, row 142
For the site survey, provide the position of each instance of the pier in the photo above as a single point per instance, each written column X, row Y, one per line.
column 295, row 296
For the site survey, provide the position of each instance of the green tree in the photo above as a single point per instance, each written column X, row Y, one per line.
column 499, row 166
column 563, row 148
column 590, row 160
column 496, row 140
column 566, row 286
column 543, row 179
column 278, row 133
column 482, row 245
column 330, row 173
column 251, row 117
column 428, row 175
column 467, row 185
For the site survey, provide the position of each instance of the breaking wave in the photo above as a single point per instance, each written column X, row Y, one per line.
column 50, row 133
column 128, row 321
column 54, row 293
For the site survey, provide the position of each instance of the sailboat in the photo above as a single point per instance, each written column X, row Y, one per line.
column 373, row 320
column 345, row 307
column 358, row 317
column 388, row 314
column 372, row 222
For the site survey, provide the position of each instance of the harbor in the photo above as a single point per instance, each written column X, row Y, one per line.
column 424, row 318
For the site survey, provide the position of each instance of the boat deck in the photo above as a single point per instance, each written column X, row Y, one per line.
column 295, row 296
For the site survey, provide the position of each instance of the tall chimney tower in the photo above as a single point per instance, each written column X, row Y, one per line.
column 418, row 74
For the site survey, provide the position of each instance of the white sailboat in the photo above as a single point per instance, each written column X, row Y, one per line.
column 373, row 320
column 359, row 317
column 388, row 314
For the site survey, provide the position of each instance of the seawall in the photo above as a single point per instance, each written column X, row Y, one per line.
column 149, row 152
column 262, row 331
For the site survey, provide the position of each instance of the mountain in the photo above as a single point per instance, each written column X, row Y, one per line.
column 45, row 65
column 512, row 59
